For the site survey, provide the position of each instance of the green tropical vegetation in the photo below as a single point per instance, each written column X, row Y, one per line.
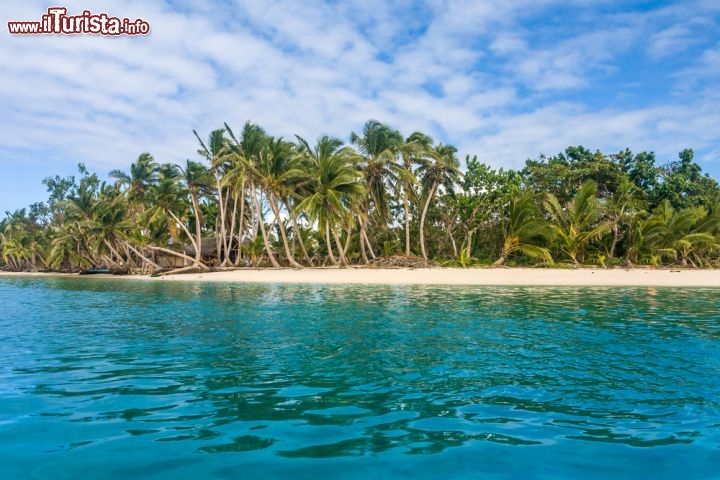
column 250, row 199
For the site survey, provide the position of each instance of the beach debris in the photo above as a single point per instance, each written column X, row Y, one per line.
column 398, row 261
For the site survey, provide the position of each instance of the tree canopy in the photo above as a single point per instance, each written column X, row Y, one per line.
column 252, row 199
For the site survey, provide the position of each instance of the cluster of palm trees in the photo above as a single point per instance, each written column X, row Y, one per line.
column 262, row 200
column 588, row 229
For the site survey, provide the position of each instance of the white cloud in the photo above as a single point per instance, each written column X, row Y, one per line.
column 509, row 80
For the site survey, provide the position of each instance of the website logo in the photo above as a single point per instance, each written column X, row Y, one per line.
column 57, row 22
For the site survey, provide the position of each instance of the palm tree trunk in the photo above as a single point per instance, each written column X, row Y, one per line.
column 178, row 254
column 254, row 216
column 198, row 227
column 39, row 256
column 180, row 270
column 329, row 245
column 261, row 223
column 106, row 260
column 296, row 229
column 283, row 234
column 470, row 234
column 510, row 245
column 339, row 247
column 232, row 231
column 406, row 208
column 222, row 245
column 241, row 227
column 369, row 245
column 143, row 257
column 130, row 262
column 113, row 251
column 362, row 241
column 347, row 241
column 187, row 232
column 615, row 240
column 431, row 193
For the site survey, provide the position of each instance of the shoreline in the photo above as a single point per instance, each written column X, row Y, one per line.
column 581, row 277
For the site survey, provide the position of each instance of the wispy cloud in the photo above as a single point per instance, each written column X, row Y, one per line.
column 677, row 38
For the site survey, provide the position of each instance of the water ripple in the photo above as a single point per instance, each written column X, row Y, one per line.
column 445, row 381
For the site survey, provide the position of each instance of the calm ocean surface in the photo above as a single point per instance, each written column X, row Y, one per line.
column 118, row 379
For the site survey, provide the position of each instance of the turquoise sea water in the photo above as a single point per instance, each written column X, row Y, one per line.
column 118, row 379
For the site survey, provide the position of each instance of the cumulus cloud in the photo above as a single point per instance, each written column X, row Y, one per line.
column 504, row 80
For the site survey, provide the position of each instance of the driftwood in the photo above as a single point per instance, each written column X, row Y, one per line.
column 398, row 261
column 188, row 269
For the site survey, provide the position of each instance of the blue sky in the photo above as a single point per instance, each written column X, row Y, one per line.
column 506, row 80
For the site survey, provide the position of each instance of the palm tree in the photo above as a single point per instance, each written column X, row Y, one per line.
column 110, row 226
column 243, row 156
column 523, row 224
column 169, row 197
column 579, row 222
column 21, row 241
column 412, row 151
column 276, row 171
column 80, row 210
column 672, row 233
column 331, row 189
column 67, row 246
column 197, row 181
column 106, row 225
column 143, row 174
column 440, row 168
column 76, row 241
column 215, row 153
column 378, row 144
column 621, row 209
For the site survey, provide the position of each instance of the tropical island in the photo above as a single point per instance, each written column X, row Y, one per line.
column 381, row 200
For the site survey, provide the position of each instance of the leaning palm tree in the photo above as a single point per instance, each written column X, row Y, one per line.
column 440, row 168
column 112, row 228
column 379, row 145
column 522, row 225
column 169, row 198
column 331, row 190
column 276, row 171
column 578, row 222
column 13, row 239
column 106, row 225
column 67, row 249
column 20, row 242
column 79, row 211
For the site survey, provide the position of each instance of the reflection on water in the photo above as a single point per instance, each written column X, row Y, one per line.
column 156, row 379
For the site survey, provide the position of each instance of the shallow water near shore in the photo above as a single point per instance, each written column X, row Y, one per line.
column 113, row 379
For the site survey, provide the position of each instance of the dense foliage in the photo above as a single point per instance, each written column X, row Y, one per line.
column 252, row 199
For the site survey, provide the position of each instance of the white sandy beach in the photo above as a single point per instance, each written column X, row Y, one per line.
column 449, row 276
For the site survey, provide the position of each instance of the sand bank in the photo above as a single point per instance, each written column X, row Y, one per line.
column 471, row 276
column 448, row 276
